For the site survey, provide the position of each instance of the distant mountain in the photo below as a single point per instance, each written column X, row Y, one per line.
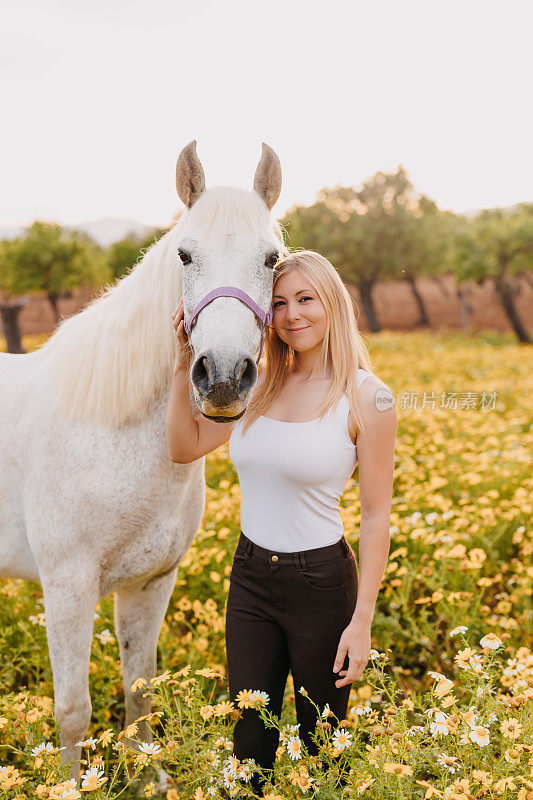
column 104, row 231
column 110, row 229
column 11, row 233
column 474, row 212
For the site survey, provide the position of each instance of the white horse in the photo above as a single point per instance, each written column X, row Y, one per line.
column 90, row 502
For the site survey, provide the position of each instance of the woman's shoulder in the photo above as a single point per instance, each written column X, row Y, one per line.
column 376, row 396
column 372, row 379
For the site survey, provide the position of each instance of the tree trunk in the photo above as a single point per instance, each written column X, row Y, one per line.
column 365, row 289
column 9, row 314
column 442, row 286
column 466, row 308
column 505, row 293
column 528, row 278
column 423, row 320
column 53, row 297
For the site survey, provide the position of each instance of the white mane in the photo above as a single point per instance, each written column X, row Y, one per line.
column 112, row 361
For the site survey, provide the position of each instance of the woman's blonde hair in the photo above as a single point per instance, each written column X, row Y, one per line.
column 343, row 344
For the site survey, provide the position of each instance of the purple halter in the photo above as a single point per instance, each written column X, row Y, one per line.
column 233, row 291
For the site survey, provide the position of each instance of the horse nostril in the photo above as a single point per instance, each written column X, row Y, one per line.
column 200, row 374
column 245, row 376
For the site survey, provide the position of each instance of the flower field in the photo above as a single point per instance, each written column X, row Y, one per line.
column 445, row 705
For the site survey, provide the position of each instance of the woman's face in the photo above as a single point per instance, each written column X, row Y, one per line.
column 299, row 315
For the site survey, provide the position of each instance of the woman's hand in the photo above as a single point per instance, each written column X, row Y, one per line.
column 355, row 641
column 182, row 343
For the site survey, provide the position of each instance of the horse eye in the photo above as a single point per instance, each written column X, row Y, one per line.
column 186, row 258
column 272, row 260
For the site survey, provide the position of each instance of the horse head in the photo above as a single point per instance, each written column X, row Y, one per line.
column 227, row 240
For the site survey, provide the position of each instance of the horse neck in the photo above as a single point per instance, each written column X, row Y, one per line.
column 113, row 361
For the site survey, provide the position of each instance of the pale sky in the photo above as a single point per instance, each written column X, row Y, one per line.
column 99, row 97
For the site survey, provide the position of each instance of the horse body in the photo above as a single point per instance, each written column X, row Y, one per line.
column 116, row 491
column 90, row 502
column 133, row 510
column 89, row 510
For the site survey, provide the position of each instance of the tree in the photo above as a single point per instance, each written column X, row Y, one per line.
column 423, row 242
column 383, row 230
column 497, row 245
column 51, row 260
column 46, row 259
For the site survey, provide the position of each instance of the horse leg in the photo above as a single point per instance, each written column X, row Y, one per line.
column 139, row 613
column 69, row 613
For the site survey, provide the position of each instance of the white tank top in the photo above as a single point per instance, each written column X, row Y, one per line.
column 292, row 475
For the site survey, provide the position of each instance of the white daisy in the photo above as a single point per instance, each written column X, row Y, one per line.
column 41, row 749
column 341, row 739
column 480, row 735
column 150, row 748
column 413, row 729
column 90, row 776
column 246, row 770
column 449, row 762
column 491, row 641
column 90, row 742
column 439, row 725
column 294, row 747
column 257, row 694
column 438, row 676
column 230, row 781
column 359, row 710
column 70, row 794
column 232, row 765
column 105, row 637
column 458, row 629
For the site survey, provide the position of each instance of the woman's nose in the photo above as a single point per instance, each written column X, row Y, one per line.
column 293, row 312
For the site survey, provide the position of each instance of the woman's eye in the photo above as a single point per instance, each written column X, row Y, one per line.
column 185, row 258
column 272, row 260
column 281, row 301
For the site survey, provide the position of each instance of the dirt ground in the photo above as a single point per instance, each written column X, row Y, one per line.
column 395, row 306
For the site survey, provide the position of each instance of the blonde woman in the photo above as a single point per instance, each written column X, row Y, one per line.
column 296, row 601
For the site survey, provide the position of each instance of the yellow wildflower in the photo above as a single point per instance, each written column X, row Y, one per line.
column 161, row 678
column 206, row 712
column 106, row 737
column 131, row 730
column 511, row 728
column 138, row 684
column 33, row 715
column 223, row 708
column 397, row 769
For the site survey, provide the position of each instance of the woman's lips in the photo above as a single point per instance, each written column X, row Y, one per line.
column 297, row 330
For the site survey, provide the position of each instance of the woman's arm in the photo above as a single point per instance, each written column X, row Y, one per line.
column 189, row 436
column 375, row 451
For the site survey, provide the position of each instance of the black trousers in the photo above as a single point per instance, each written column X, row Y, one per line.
column 287, row 611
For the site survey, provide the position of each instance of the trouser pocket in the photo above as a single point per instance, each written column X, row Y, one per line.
column 325, row 575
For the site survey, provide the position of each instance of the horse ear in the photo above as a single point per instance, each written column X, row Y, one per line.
column 190, row 177
column 267, row 180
